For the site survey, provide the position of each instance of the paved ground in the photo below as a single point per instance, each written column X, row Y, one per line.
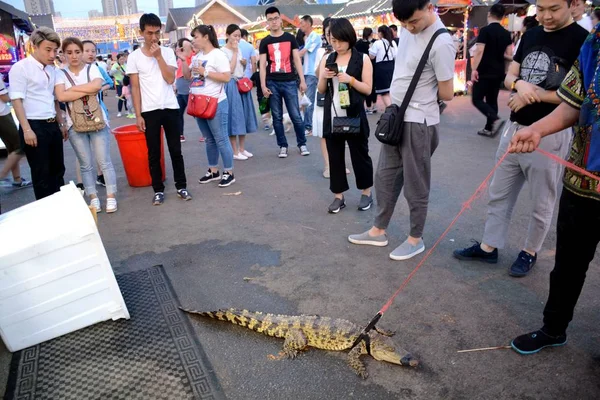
column 278, row 234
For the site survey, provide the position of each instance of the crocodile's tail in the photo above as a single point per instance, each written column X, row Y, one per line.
column 267, row 324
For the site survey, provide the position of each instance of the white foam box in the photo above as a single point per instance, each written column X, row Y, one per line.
column 55, row 276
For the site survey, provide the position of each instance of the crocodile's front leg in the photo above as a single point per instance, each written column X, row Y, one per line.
column 295, row 341
column 384, row 332
column 356, row 364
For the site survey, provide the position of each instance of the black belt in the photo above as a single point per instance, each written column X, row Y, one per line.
column 47, row 120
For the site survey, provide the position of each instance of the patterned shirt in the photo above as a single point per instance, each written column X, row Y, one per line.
column 573, row 93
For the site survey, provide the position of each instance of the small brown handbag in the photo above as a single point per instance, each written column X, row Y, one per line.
column 85, row 112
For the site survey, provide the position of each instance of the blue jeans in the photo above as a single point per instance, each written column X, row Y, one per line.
column 182, row 100
column 311, row 93
column 217, row 139
column 99, row 142
column 288, row 91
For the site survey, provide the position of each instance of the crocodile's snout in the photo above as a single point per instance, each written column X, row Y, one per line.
column 409, row 360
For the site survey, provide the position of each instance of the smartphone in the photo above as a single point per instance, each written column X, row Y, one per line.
column 332, row 67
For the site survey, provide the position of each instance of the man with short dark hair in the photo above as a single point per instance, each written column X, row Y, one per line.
column 544, row 56
column 394, row 29
column 42, row 128
column 152, row 72
column 312, row 43
column 492, row 49
column 408, row 165
column 279, row 66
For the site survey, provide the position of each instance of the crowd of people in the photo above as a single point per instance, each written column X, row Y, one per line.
column 329, row 84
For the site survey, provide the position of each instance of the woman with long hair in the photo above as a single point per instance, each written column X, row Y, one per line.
column 384, row 51
column 83, row 142
column 184, row 52
column 242, row 114
column 210, row 71
column 354, row 71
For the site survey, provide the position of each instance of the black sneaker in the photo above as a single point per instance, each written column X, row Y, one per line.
column 365, row 202
column 210, row 177
column 476, row 253
column 227, row 179
column 523, row 265
column 100, row 180
column 159, row 198
column 337, row 205
column 497, row 126
column 183, row 194
column 535, row 341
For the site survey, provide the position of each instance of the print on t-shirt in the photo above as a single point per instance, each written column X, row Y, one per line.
column 535, row 65
column 281, row 56
column 199, row 82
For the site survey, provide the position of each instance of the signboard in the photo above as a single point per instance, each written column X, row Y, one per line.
column 460, row 76
column 8, row 50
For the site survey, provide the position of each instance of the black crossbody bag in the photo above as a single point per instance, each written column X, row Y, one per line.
column 343, row 127
column 390, row 125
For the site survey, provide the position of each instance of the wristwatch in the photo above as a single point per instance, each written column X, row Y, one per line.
column 514, row 84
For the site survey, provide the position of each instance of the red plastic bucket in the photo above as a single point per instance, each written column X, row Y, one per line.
column 134, row 153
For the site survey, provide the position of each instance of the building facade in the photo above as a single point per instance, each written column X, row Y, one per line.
column 36, row 7
column 163, row 7
column 127, row 7
column 109, row 8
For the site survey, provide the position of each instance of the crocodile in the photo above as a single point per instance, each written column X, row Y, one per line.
column 319, row 332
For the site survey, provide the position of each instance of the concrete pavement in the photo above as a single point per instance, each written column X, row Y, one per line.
column 296, row 259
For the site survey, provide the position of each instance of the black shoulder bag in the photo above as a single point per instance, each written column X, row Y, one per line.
column 390, row 125
column 343, row 127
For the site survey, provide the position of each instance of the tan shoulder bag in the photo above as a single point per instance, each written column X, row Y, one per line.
column 86, row 112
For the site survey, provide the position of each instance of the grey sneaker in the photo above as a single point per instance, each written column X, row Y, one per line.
column 304, row 150
column 283, row 152
column 337, row 205
column 407, row 250
column 365, row 202
column 365, row 238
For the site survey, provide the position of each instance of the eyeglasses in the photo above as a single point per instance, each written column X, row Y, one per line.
column 273, row 19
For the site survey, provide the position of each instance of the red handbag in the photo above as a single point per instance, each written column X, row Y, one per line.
column 244, row 85
column 201, row 106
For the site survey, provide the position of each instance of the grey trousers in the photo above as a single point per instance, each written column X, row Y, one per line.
column 408, row 166
column 543, row 176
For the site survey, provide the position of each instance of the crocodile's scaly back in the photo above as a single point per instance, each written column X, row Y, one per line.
column 321, row 332
column 324, row 333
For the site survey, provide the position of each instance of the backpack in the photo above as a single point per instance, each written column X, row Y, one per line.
column 85, row 112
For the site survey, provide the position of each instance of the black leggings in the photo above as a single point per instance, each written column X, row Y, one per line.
column 121, row 101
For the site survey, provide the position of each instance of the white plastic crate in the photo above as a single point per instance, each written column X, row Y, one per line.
column 55, row 277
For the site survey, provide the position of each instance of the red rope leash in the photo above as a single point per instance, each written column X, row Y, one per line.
column 570, row 166
column 466, row 205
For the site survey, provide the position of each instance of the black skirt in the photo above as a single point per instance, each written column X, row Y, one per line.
column 384, row 72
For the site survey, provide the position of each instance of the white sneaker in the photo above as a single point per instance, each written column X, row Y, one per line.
column 283, row 152
column 239, row 156
column 272, row 133
column 96, row 204
column 304, row 150
column 111, row 205
column 247, row 154
column 118, row 115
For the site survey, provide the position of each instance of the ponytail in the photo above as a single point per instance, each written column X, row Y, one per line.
column 209, row 30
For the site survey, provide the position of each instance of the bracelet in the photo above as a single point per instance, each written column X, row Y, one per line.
column 352, row 81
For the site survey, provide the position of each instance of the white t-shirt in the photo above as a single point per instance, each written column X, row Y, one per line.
column 239, row 70
column 423, row 106
column 378, row 50
column 157, row 94
column 80, row 79
column 586, row 23
column 215, row 61
column 102, row 64
column 4, row 108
